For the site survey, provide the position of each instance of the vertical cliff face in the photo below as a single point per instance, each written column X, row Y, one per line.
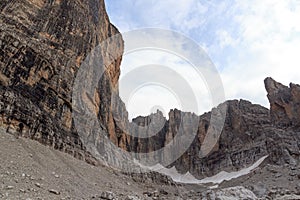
column 250, row 132
column 240, row 144
column 42, row 45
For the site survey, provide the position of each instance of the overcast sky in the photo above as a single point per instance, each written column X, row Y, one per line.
column 246, row 40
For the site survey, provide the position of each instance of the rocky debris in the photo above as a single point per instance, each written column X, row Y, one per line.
column 38, row 185
column 259, row 189
column 130, row 197
column 233, row 193
column 265, row 184
column 107, row 195
column 22, row 176
column 81, row 180
column 152, row 177
column 54, row 192
column 154, row 194
column 9, row 187
column 282, row 194
column 287, row 197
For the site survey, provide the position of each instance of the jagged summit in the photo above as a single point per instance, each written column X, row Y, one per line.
column 284, row 103
column 273, row 86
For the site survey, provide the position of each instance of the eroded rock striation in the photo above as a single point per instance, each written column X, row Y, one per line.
column 250, row 132
column 240, row 144
column 42, row 45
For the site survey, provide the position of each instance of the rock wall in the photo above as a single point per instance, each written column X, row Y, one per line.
column 249, row 133
column 233, row 150
column 42, row 45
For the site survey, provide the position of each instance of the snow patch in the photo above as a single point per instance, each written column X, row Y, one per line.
column 190, row 179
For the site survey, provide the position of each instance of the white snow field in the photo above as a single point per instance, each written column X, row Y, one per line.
column 190, row 179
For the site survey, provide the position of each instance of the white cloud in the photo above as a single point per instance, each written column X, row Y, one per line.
column 225, row 39
column 171, row 85
column 247, row 40
column 268, row 46
column 181, row 14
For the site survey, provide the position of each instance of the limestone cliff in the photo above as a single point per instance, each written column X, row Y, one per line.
column 42, row 45
column 249, row 133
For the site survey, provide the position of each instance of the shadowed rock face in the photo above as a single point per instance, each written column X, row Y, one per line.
column 241, row 142
column 248, row 134
column 42, row 44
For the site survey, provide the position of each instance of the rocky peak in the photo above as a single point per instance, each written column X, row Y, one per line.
column 152, row 118
column 284, row 103
column 273, row 86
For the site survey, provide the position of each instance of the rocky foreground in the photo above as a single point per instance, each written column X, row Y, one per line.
column 29, row 170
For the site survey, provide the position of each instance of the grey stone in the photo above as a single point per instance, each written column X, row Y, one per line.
column 108, row 195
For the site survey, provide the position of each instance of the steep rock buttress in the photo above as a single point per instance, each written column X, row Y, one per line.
column 42, row 45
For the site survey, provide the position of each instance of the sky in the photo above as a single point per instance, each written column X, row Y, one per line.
column 246, row 40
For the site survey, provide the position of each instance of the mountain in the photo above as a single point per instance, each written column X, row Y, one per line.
column 50, row 93
column 250, row 132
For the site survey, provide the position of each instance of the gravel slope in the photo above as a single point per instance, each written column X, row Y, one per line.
column 29, row 170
